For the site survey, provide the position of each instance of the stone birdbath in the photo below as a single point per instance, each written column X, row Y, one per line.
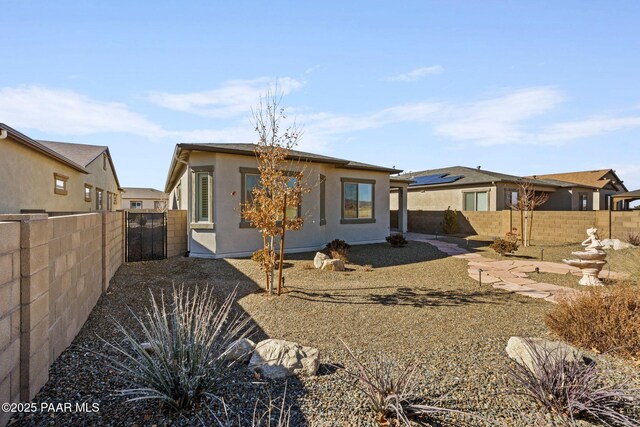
column 591, row 260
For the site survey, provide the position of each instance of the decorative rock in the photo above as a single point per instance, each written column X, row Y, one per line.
column 616, row 244
column 279, row 359
column 240, row 350
column 520, row 350
column 319, row 259
column 146, row 346
column 333, row 265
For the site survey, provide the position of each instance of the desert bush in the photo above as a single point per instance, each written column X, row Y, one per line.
column 258, row 256
column 338, row 249
column 573, row 389
column 633, row 238
column 187, row 340
column 505, row 245
column 397, row 240
column 450, row 221
column 391, row 391
column 603, row 318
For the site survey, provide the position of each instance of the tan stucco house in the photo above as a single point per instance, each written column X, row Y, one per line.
column 144, row 198
column 474, row 189
column 55, row 177
column 348, row 200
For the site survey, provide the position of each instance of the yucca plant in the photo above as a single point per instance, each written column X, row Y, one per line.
column 391, row 391
column 572, row 389
column 185, row 355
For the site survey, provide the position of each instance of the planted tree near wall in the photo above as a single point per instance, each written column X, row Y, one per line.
column 528, row 199
column 279, row 193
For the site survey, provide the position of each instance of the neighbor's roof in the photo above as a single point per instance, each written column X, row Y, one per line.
column 472, row 176
column 244, row 149
column 595, row 179
column 82, row 154
column 628, row 195
column 143, row 193
column 42, row 148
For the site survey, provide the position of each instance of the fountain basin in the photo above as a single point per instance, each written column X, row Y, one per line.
column 600, row 255
column 583, row 263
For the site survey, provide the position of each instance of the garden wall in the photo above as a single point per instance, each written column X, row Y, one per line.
column 548, row 226
column 176, row 232
column 52, row 272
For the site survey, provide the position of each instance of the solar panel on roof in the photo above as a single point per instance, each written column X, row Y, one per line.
column 440, row 178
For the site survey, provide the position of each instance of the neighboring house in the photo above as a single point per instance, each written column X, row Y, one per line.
column 600, row 186
column 144, row 198
column 474, row 189
column 55, row 177
column 348, row 200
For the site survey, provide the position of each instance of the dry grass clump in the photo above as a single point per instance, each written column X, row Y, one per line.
column 633, row 238
column 605, row 319
column 338, row 249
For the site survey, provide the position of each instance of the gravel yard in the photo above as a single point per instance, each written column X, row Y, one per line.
column 413, row 304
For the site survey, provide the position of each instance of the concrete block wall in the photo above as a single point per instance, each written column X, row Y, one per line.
column 52, row 273
column 9, row 315
column 75, row 276
column 176, row 233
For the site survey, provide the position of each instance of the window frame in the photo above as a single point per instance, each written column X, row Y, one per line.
column 582, row 195
column 196, row 222
column 88, row 188
column 131, row 203
column 243, row 192
column 62, row 178
column 358, row 220
column 475, row 200
column 507, row 200
column 99, row 199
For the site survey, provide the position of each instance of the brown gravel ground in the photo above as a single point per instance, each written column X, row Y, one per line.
column 414, row 305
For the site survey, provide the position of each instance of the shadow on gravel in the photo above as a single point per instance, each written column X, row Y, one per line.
column 401, row 296
column 79, row 375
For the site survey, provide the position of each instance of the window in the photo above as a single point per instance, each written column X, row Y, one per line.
column 87, row 192
column 99, row 199
column 358, row 204
column 109, row 201
column 323, row 194
column 251, row 179
column 135, row 204
column 510, row 198
column 60, row 184
column 476, row 201
column 202, row 197
column 115, row 199
column 583, row 203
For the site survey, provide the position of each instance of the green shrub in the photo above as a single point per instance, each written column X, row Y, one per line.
column 397, row 240
column 505, row 245
column 450, row 222
column 185, row 355
column 338, row 249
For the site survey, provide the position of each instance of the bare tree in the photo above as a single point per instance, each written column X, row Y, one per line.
column 528, row 199
column 279, row 189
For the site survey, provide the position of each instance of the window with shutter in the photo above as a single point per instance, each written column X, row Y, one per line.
column 203, row 197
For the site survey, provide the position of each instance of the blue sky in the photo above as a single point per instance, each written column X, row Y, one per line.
column 521, row 87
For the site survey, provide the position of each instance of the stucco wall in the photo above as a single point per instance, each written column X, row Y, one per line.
column 227, row 238
column 9, row 315
column 28, row 181
column 440, row 199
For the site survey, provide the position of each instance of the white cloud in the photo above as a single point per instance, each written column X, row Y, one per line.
column 234, row 98
column 416, row 74
column 67, row 112
column 593, row 126
column 499, row 120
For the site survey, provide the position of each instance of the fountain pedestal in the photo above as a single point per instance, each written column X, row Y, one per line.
column 591, row 261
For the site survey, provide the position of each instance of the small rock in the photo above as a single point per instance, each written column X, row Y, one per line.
column 333, row 265
column 616, row 244
column 146, row 346
column 279, row 359
column 240, row 350
column 319, row 259
column 520, row 349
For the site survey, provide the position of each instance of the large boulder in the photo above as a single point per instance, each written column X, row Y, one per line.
column 319, row 259
column 240, row 350
column 523, row 350
column 333, row 265
column 279, row 359
column 616, row 244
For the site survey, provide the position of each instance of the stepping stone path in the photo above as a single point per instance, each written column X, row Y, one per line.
column 510, row 275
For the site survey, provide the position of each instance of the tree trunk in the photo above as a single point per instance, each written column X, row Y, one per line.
column 284, row 229
column 531, row 224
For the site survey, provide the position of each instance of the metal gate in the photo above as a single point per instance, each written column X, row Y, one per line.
column 146, row 236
